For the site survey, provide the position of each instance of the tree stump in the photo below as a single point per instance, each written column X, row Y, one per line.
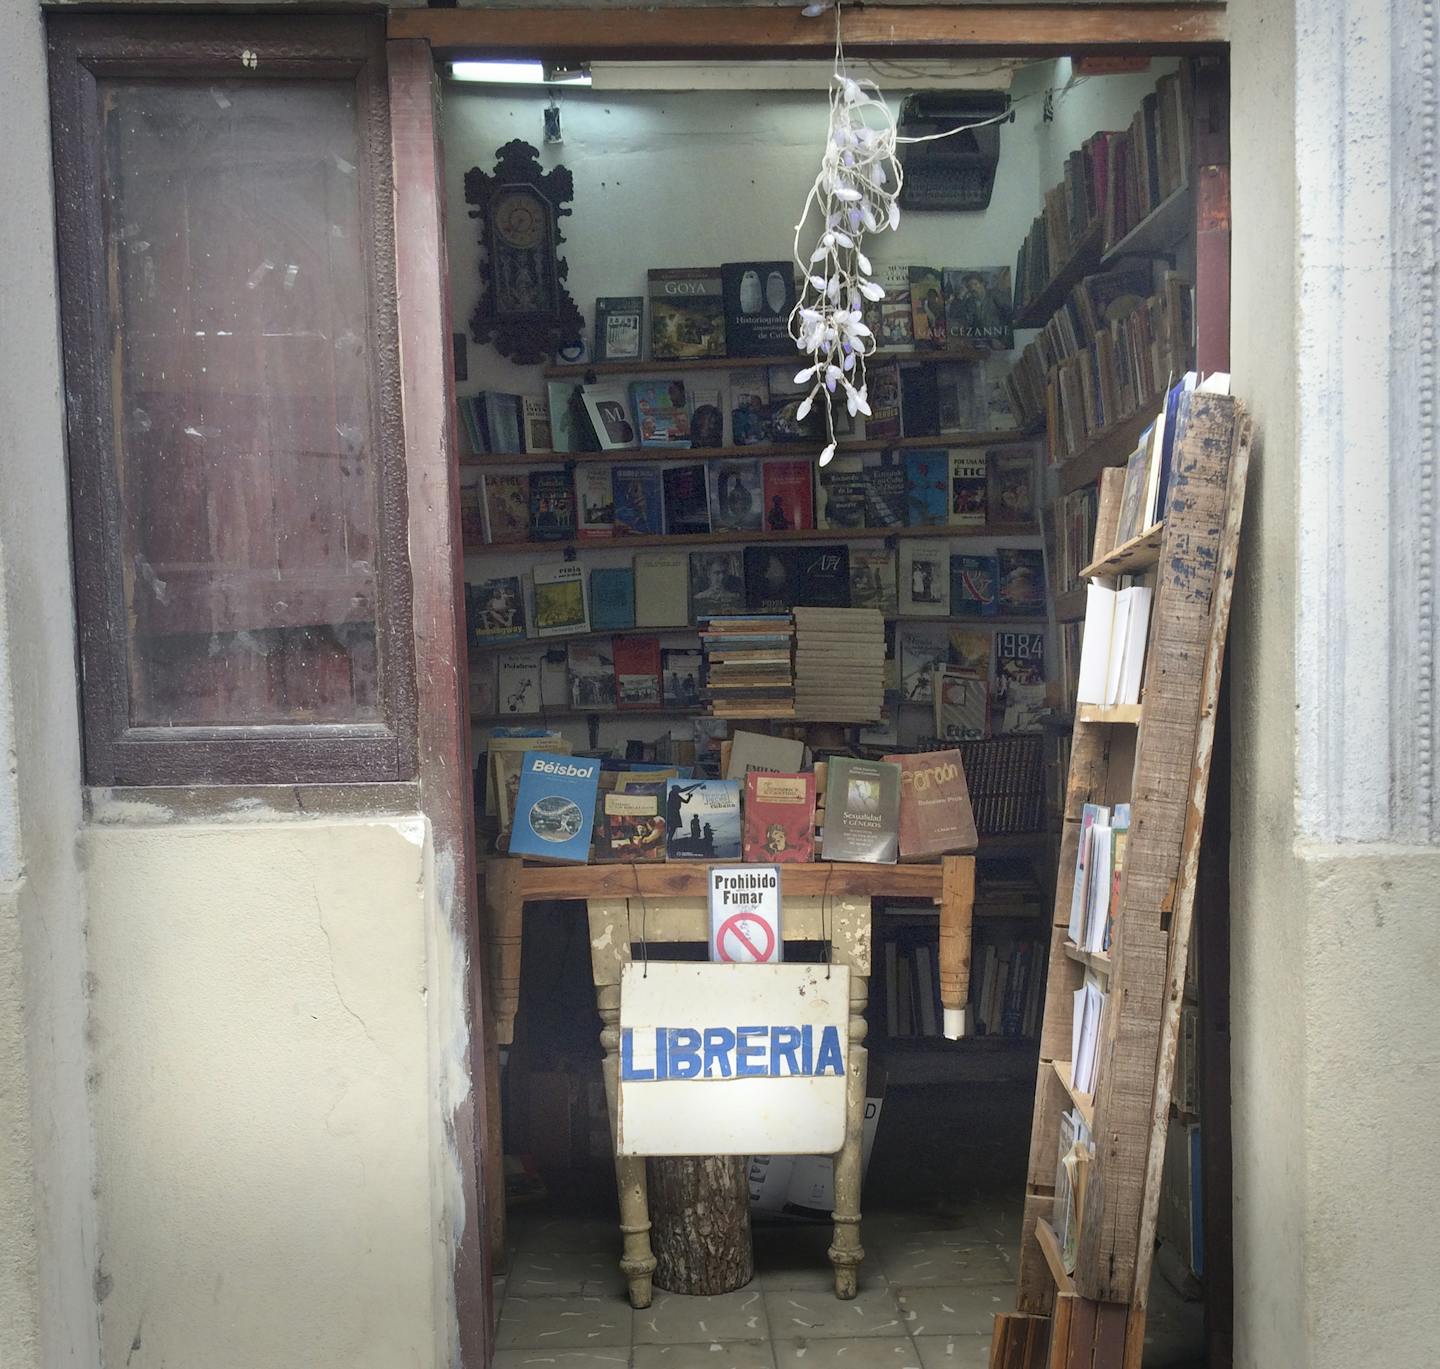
column 700, row 1223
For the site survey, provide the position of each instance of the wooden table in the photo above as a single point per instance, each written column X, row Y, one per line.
column 667, row 902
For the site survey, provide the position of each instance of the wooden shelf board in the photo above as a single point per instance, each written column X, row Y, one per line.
column 1124, row 714
column 1109, row 447
column 1084, row 1102
column 552, row 714
column 1160, row 230
column 1136, row 554
column 1049, row 1244
column 1094, row 960
column 798, row 451
column 667, row 365
column 1083, row 260
column 943, row 532
column 1070, row 606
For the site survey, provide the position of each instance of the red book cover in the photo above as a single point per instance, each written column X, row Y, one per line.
column 637, row 672
column 779, row 817
column 935, row 814
column 789, row 495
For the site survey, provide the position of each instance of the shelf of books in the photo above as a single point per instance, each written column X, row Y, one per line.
column 1159, row 578
column 641, row 366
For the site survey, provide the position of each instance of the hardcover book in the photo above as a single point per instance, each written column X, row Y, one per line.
column 556, row 808
column 592, row 674
column 969, row 651
column 759, row 296
column 681, row 670
column 662, row 412
column 771, row 579
column 927, row 306
column 919, row 401
column 897, row 324
column 637, row 672
column 862, row 810
column 662, row 589
column 687, row 313
column 507, row 506
column 935, row 814
column 842, row 491
column 872, row 580
column 1019, row 658
column 618, row 332
column 594, row 500
column 979, row 310
column 779, row 817
column 552, row 506
column 630, row 827
column 968, row 487
column 518, row 686
column 750, row 408
column 702, row 820
column 536, row 432
column 882, row 389
column 495, row 610
column 612, row 598
column 924, row 579
column 639, row 500
column 886, row 494
column 717, row 584
column 707, row 419
column 1012, row 484
column 608, row 408
column 822, row 576
column 974, row 586
column 789, row 495
column 927, row 487
column 561, row 602
column 736, row 496
column 687, row 501
column 1021, row 580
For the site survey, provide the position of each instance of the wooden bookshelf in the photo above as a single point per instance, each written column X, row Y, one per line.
column 1049, row 1244
column 1093, row 960
column 1083, row 260
column 581, row 370
column 796, row 451
column 943, row 532
column 1139, row 553
column 1158, row 232
column 553, row 714
column 1111, row 446
column 1070, row 606
column 1124, row 714
column 1084, row 1102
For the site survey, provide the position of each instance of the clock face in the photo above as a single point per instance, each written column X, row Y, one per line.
column 519, row 219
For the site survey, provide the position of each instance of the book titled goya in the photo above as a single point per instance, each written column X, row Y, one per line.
column 617, row 327
column 630, row 827
column 862, row 811
column 935, row 814
column 687, row 313
column 556, row 808
column 779, row 822
column 561, row 602
column 702, row 819
column 759, row 296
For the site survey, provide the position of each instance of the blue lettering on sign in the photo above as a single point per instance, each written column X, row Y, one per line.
column 733, row 1053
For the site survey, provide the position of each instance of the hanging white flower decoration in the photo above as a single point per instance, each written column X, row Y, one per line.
column 855, row 194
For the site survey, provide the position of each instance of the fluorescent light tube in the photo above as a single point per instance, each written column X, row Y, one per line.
column 518, row 73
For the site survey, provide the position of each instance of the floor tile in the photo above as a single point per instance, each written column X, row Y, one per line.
column 847, row 1352
column 552, row 1234
column 954, row 1352
column 822, row 1315
column 961, row 1309
column 616, row 1357
column 928, row 1261
column 754, row 1354
column 539, row 1273
column 563, row 1323
column 799, row 1260
column 676, row 1318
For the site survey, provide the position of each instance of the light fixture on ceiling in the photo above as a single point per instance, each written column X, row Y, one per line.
column 511, row 72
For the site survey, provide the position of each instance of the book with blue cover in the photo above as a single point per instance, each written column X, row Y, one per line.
column 639, row 500
column 662, row 412
column 927, row 487
column 612, row 598
column 702, row 820
column 974, row 586
column 555, row 811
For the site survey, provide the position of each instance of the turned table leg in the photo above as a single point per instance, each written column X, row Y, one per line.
column 846, row 1252
column 504, row 919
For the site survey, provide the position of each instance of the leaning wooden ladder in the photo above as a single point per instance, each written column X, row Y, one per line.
column 1156, row 756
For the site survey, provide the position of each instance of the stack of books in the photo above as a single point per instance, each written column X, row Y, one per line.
column 839, row 664
column 748, row 665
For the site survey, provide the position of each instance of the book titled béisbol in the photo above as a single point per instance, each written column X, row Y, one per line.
column 555, row 810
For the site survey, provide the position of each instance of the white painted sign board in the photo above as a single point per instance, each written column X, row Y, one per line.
column 745, row 914
column 733, row 1059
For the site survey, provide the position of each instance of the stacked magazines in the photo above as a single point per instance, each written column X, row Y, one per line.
column 748, row 671
column 839, row 664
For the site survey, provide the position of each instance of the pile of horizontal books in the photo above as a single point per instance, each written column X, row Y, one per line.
column 749, row 671
column 839, row 664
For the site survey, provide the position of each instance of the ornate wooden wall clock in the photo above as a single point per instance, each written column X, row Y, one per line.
column 524, row 308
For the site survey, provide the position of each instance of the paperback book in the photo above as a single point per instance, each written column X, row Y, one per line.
column 637, row 672
column 771, row 579
column 592, row 674
column 618, row 333
column 927, row 487
column 786, row 397
column 935, row 814
column 921, row 647
column 552, row 506
column 759, row 296
column 960, row 398
column 779, row 817
column 717, row 583
column 639, row 500
column 872, row 580
column 680, row 669
column 979, row 310
column 974, row 582
column 1020, row 658
column 927, row 306
column 970, row 650
column 789, row 495
column 538, row 435
column 662, row 589
column 897, row 325
column 612, row 598
column 702, row 820
column 736, row 496
column 919, row 401
column 962, row 706
column 561, row 602
column 750, row 408
column 518, row 685
column 687, row 502
column 924, row 579
column 882, row 389
column 495, row 610
column 886, row 491
column 967, row 488
column 822, row 576
column 707, row 419
column 507, row 507
column 630, row 827
column 842, row 493
column 608, row 408
column 687, row 313
column 1021, row 580
column 662, row 412
column 556, row 807
column 594, row 500
column 1012, row 484
column 862, row 810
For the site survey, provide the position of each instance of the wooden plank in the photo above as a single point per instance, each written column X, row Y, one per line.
column 1127, row 715
column 1018, row 1341
column 689, row 879
column 1181, row 632
column 1139, row 553
column 1094, row 960
column 1109, row 447
column 1035, row 1289
column 1070, row 606
column 1049, row 1244
column 957, row 909
column 1161, row 230
column 1107, row 511
column 1078, row 1349
column 1083, row 260
column 1084, row 1102
column 717, row 32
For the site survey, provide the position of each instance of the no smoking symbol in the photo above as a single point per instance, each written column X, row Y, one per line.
column 737, row 934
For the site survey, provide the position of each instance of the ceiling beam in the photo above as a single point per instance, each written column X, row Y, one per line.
column 737, row 31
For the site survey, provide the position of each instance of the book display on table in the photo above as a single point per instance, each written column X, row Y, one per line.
column 702, row 820
column 779, row 817
column 862, row 810
column 555, row 809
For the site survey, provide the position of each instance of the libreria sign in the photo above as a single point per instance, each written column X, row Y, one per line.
column 766, row 1052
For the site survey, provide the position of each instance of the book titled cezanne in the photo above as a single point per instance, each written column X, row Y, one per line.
column 862, row 811
column 935, row 812
column 779, row 817
column 555, row 811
